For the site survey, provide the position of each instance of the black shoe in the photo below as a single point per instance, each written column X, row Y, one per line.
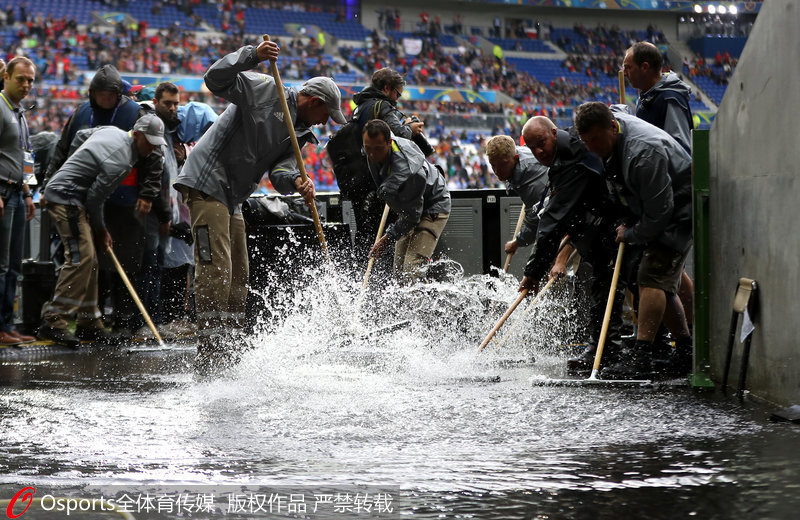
column 678, row 362
column 98, row 335
column 634, row 363
column 59, row 336
column 584, row 362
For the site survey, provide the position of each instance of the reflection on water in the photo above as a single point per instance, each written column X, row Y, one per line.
column 413, row 410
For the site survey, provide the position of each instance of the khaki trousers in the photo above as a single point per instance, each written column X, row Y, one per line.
column 221, row 265
column 413, row 250
column 76, row 289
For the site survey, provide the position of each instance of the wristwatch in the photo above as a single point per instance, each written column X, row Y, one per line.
column 27, row 195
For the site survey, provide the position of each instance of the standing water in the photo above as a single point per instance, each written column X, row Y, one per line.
column 334, row 413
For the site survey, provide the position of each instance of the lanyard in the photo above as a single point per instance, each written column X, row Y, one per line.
column 21, row 123
column 113, row 115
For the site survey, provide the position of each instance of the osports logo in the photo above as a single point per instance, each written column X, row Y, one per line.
column 25, row 496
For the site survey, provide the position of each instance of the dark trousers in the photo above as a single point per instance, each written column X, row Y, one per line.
column 602, row 257
column 174, row 294
column 368, row 212
column 127, row 233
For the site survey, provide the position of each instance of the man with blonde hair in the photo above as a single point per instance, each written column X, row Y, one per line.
column 525, row 177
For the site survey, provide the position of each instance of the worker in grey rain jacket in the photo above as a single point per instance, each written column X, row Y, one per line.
column 664, row 102
column 525, row 177
column 76, row 196
column 649, row 176
column 413, row 188
column 663, row 98
column 130, row 203
column 248, row 140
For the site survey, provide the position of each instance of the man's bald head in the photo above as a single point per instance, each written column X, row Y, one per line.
column 540, row 136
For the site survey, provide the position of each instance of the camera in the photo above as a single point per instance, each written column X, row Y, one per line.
column 420, row 140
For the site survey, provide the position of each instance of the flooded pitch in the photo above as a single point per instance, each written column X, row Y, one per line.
column 409, row 417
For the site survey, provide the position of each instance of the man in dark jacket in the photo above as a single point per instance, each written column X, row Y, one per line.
column 649, row 177
column 385, row 89
column 164, row 104
column 576, row 208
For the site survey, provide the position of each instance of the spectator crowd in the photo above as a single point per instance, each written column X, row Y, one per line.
column 62, row 50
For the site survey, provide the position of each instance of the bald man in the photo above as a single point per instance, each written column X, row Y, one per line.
column 574, row 178
column 577, row 207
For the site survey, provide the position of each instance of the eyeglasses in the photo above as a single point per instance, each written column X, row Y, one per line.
column 399, row 92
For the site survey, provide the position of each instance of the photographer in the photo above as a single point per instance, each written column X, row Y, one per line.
column 378, row 101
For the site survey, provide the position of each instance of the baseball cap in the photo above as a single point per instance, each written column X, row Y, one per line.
column 325, row 89
column 146, row 94
column 152, row 127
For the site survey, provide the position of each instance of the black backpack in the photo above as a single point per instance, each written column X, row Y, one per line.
column 344, row 152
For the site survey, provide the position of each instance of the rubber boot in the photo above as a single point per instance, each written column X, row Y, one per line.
column 634, row 363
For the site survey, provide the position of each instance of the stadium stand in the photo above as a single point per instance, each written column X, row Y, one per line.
column 65, row 40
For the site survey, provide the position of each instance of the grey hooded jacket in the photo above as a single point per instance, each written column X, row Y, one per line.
column 528, row 181
column 666, row 106
column 410, row 185
column 94, row 171
column 650, row 174
column 248, row 139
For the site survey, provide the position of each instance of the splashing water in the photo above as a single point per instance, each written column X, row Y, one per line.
column 328, row 394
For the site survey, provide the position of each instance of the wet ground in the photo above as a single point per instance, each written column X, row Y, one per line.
column 324, row 413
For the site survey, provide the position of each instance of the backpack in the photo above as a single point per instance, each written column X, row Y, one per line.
column 344, row 152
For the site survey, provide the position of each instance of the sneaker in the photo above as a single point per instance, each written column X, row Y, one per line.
column 99, row 335
column 59, row 336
